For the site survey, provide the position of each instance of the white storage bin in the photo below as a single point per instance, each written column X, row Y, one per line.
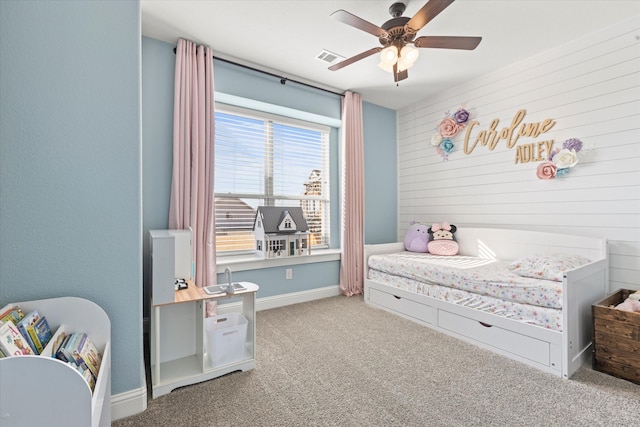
column 226, row 337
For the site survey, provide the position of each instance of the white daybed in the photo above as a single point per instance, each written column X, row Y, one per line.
column 560, row 351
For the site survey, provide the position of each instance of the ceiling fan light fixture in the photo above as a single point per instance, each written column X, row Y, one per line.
column 409, row 54
column 388, row 68
column 408, row 57
column 404, row 64
column 389, row 55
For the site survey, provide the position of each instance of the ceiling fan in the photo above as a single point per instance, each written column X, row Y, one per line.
column 397, row 35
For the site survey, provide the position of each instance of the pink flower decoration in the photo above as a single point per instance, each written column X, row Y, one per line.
column 448, row 127
column 546, row 170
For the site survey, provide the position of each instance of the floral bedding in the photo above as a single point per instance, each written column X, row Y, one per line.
column 485, row 284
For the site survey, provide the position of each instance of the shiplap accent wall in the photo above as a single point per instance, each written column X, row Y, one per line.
column 591, row 88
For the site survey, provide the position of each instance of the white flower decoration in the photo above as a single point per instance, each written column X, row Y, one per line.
column 436, row 139
column 565, row 158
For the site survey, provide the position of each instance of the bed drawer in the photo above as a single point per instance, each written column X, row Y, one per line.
column 422, row 312
column 512, row 342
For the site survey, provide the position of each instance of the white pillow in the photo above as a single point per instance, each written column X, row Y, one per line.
column 547, row 267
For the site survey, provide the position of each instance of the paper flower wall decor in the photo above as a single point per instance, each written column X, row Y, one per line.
column 560, row 162
column 448, row 128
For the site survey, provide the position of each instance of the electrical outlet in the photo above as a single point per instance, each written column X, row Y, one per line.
column 288, row 274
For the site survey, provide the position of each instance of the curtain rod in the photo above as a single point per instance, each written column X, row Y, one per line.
column 283, row 80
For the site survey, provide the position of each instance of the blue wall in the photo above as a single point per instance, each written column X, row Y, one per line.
column 380, row 174
column 380, row 163
column 72, row 176
column 158, row 63
column 70, row 163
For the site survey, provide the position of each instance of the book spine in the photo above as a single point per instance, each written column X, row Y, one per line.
column 27, row 337
column 6, row 310
column 62, row 335
column 75, row 350
column 70, row 346
column 15, row 317
column 43, row 331
column 62, row 353
column 14, row 313
column 37, row 345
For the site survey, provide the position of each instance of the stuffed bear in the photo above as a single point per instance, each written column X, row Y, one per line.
column 629, row 304
column 416, row 237
column 441, row 239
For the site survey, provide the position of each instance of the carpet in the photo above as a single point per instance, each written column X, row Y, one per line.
column 339, row 362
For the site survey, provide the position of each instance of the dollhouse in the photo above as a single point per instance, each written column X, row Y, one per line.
column 281, row 232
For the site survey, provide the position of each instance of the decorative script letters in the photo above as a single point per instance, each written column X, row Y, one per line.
column 532, row 152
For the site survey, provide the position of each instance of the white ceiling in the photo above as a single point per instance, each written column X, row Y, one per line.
column 284, row 37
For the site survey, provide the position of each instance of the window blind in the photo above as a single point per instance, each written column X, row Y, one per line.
column 267, row 160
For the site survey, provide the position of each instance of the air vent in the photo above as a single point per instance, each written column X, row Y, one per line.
column 329, row 57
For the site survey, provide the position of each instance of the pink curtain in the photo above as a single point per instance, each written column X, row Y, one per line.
column 351, row 268
column 192, row 197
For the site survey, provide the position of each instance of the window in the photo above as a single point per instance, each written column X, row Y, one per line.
column 267, row 160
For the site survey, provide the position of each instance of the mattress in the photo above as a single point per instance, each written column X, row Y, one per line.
column 479, row 283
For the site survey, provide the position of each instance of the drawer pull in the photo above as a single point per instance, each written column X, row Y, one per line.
column 486, row 325
column 396, row 297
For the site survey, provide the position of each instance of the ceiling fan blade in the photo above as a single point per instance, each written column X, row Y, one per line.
column 447, row 42
column 429, row 11
column 353, row 59
column 357, row 22
column 399, row 75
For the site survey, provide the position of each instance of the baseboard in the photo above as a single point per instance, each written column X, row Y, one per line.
column 296, row 297
column 135, row 401
column 128, row 403
column 282, row 300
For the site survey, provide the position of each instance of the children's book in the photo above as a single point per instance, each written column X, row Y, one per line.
column 78, row 359
column 11, row 312
column 5, row 310
column 25, row 326
column 43, row 332
column 69, row 352
column 79, row 351
column 58, row 342
column 61, row 352
column 87, row 352
column 91, row 351
column 11, row 340
column 87, row 375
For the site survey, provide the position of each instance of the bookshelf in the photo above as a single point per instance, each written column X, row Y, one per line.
column 178, row 340
column 41, row 386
